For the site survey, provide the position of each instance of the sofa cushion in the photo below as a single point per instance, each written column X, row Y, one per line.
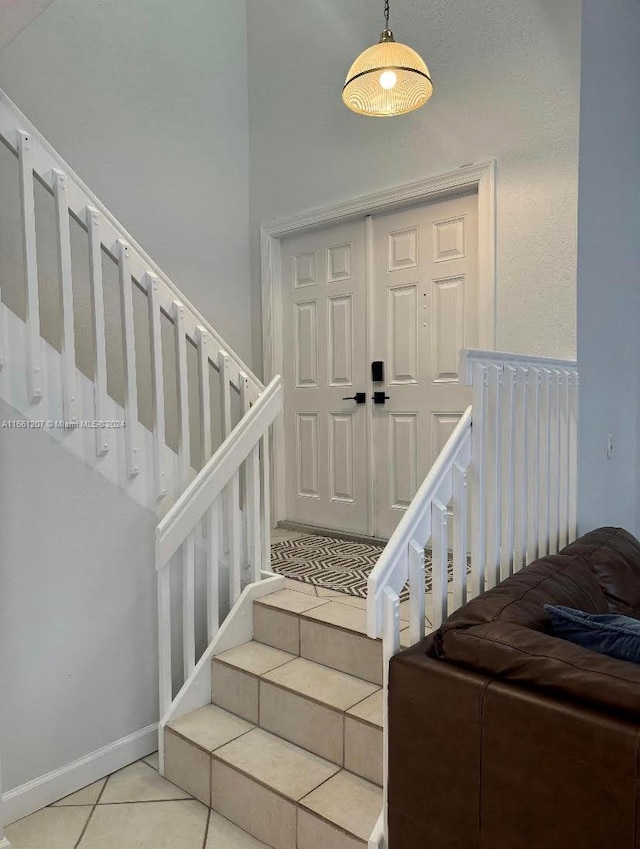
column 533, row 659
column 610, row 634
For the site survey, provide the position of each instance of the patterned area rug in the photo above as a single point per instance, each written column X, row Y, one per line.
column 334, row 564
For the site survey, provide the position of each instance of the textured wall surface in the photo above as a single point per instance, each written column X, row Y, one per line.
column 609, row 265
column 506, row 76
column 147, row 102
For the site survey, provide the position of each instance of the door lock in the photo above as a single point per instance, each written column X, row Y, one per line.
column 359, row 398
column 380, row 397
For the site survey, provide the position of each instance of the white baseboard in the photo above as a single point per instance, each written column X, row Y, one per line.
column 49, row 788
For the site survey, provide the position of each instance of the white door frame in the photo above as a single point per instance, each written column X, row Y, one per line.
column 480, row 177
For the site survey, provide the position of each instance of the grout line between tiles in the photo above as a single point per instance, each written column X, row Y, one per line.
column 91, row 812
column 206, row 830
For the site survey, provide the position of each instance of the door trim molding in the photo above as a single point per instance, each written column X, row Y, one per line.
column 480, row 177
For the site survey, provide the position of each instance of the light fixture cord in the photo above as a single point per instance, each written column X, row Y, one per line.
column 386, row 14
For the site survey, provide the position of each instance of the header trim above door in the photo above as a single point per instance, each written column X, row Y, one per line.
column 481, row 178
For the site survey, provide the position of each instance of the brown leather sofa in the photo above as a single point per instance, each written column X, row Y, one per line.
column 502, row 736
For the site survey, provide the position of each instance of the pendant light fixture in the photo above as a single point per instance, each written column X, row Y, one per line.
column 387, row 79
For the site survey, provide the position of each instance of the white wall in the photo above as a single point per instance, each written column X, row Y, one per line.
column 78, row 647
column 147, row 101
column 506, row 76
column 609, row 264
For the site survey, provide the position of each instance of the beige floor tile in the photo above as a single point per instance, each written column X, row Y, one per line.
column 153, row 760
column 255, row 657
column 341, row 615
column 315, row 833
column 349, row 802
column 293, row 601
column 363, row 749
column 299, row 587
column 51, row 828
column 277, row 628
column 259, row 811
column 314, row 727
column 210, row 727
column 188, row 767
column 346, row 651
column 280, row 534
column 86, row 796
column 370, row 709
column 280, row 765
column 139, row 783
column 223, row 834
column 235, row 691
column 321, row 683
column 159, row 825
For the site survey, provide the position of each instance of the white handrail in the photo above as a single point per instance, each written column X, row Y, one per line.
column 215, row 487
column 392, row 569
column 210, row 482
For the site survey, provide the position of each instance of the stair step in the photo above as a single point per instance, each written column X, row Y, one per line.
column 340, row 814
column 326, row 631
column 326, row 712
column 266, row 786
column 188, row 743
column 234, row 677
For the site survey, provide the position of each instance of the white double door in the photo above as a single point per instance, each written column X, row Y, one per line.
column 399, row 289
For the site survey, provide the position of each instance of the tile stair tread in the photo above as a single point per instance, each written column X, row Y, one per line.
column 341, row 616
column 276, row 764
column 347, row 801
column 291, row 601
column 369, row 709
column 321, row 684
column 254, row 657
column 210, row 727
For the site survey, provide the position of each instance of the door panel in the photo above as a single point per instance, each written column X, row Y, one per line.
column 424, row 305
column 324, row 302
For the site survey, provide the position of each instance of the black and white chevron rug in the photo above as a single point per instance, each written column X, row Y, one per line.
column 333, row 564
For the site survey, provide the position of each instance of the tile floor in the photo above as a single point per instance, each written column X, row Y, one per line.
column 134, row 808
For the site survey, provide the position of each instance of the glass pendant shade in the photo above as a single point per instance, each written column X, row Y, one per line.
column 387, row 79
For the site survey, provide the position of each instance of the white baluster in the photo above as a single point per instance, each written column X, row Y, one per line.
column 573, row 457
column 157, row 384
column 440, row 562
column 565, row 453
column 204, row 393
column 98, row 325
column 416, row 589
column 3, row 334
column 534, row 531
column 34, row 342
column 225, row 415
column 129, row 350
column 188, row 605
column 478, row 459
column 265, row 476
column 235, row 539
column 213, row 554
column 245, row 405
column 557, row 495
column 521, row 556
column 460, row 526
column 68, row 348
column 494, row 494
column 546, row 484
column 254, row 508
column 508, row 525
column 184, row 439
column 164, row 638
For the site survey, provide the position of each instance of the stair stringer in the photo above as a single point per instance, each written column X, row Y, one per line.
column 236, row 629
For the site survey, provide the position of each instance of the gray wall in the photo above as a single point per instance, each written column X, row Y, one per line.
column 609, row 264
column 78, row 647
column 147, row 102
column 506, row 76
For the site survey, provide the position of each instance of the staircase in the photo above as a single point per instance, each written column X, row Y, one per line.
column 290, row 748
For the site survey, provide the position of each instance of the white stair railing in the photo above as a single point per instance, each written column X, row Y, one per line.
column 212, row 500
column 54, row 384
column 502, row 492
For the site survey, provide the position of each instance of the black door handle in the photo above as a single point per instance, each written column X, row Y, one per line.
column 380, row 397
column 359, row 398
